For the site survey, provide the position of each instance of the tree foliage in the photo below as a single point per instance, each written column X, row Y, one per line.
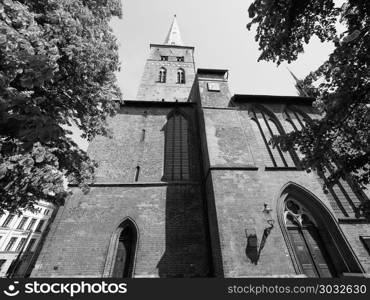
column 57, row 64
column 341, row 137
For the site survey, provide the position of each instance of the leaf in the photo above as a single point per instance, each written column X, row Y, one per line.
column 52, row 73
column 39, row 153
column 3, row 171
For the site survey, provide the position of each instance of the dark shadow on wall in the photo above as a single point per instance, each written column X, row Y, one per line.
column 186, row 253
column 186, row 245
column 252, row 251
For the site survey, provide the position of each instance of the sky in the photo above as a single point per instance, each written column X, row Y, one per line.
column 217, row 30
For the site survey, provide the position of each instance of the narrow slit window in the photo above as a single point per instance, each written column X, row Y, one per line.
column 142, row 139
column 137, row 173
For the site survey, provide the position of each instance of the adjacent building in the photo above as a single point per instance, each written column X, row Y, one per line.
column 21, row 237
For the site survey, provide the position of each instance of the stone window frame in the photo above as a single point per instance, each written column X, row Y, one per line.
column 181, row 78
column 268, row 120
column 322, row 215
column 162, row 75
column 113, row 246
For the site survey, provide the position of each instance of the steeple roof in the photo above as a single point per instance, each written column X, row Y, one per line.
column 174, row 36
column 299, row 86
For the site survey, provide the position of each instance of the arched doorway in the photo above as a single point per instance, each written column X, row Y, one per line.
column 120, row 261
column 317, row 245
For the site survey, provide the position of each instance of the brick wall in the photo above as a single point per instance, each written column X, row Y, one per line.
column 172, row 239
column 238, row 185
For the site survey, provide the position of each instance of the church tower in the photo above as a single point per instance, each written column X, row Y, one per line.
column 169, row 71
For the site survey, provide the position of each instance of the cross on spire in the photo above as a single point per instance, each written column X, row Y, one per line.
column 174, row 36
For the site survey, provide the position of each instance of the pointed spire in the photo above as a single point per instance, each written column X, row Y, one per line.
column 299, row 86
column 174, row 36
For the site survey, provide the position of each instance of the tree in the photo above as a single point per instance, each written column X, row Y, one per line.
column 341, row 137
column 57, row 64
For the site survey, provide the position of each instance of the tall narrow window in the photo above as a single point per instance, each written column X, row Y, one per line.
column 268, row 127
column 180, row 76
column 31, row 224
column 22, row 222
column 39, row 226
column 176, row 160
column 8, row 219
column 11, row 243
column 21, row 244
column 30, row 245
column 137, row 173
column 162, row 75
column 125, row 251
column 142, row 138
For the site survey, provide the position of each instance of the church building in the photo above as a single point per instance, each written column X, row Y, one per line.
column 189, row 186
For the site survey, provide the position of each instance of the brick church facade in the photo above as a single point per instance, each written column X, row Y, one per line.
column 189, row 186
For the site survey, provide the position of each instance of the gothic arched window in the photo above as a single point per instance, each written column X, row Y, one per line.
column 295, row 119
column 176, row 156
column 316, row 244
column 180, row 76
column 162, row 75
column 344, row 197
column 121, row 252
column 268, row 126
column 307, row 241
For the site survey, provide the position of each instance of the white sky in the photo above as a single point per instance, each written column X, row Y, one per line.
column 217, row 30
